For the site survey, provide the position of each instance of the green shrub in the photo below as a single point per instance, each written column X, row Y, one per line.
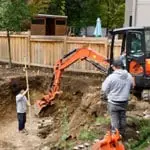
column 144, row 135
column 86, row 135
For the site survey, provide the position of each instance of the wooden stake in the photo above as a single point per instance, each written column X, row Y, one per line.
column 27, row 84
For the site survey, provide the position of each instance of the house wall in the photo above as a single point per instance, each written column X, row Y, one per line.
column 60, row 26
column 49, row 26
column 39, row 28
column 139, row 10
column 142, row 14
column 128, row 11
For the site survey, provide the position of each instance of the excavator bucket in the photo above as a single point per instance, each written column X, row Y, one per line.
column 46, row 100
column 109, row 142
column 41, row 104
column 38, row 108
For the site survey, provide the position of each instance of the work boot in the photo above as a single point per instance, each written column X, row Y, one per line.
column 23, row 132
column 26, row 131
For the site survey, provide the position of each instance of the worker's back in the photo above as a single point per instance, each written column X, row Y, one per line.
column 120, row 82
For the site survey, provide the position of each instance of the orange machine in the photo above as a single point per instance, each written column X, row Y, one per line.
column 109, row 142
column 78, row 54
column 135, row 44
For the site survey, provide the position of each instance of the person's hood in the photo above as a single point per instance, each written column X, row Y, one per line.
column 123, row 74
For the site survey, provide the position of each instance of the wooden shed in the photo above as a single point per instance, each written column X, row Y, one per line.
column 44, row 24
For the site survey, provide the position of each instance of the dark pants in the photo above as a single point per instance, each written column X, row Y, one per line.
column 118, row 117
column 21, row 120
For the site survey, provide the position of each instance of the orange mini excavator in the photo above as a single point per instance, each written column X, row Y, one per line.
column 77, row 54
column 135, row 44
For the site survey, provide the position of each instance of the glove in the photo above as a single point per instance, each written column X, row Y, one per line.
column 103, row 96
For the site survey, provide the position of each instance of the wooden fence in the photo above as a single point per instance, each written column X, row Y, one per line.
column 44, row 51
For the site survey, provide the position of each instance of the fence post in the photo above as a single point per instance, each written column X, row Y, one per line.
column 65, row 46
column 107, row 48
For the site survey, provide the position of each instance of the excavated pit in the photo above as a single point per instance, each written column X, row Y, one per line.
column 69, row 103
column 72, row 112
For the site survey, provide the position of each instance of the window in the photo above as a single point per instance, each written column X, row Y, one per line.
column 60, row 22
column 136, row 45
column 147, row 42
column 38, row 21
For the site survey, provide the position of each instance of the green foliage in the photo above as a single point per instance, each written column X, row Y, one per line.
column 65, row 145
column 112, row 13
column 64, row 125
column 144, row 135
column 64, row 129
column 82, row 13
column 87, row 135
column 57, row 7
column 39, row 6
column 102, row 120
column 13, row 14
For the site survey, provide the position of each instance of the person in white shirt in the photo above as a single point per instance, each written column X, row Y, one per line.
column 21, row 102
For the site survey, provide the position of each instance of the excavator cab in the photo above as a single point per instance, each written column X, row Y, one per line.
column 135, row 54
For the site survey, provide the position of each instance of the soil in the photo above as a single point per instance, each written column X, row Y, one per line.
column 76, row 109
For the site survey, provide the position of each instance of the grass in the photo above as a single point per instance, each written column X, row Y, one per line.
column 144, row 135
column 102, row 120
column 90, row 135
column 63, row 144
column 87, row 135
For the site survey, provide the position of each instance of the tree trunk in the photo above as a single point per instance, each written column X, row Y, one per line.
column 9, row 49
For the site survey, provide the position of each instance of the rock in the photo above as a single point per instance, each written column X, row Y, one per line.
column 146, row 117
column 6, row 66
column 45, row 148
column 131, row 105
column 86, row 144
column 146, row 112
column 75, row 148
column 38, row 72
column 142, row 105
column 138, row 132
column 98, row 109
column 96, row 140
column 81, row 146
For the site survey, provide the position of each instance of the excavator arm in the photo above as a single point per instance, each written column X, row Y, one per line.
column 87, row 54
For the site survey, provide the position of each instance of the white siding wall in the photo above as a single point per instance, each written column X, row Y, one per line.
column 143, row 13
column 140, row 12
column 128, row 11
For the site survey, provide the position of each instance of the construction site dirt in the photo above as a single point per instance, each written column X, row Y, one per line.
column 76, row 117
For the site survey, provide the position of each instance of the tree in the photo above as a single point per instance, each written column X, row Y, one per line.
column 57, row 7
column 13, row 13
column 112, row 13
column 82, row 13
column 39, row 6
